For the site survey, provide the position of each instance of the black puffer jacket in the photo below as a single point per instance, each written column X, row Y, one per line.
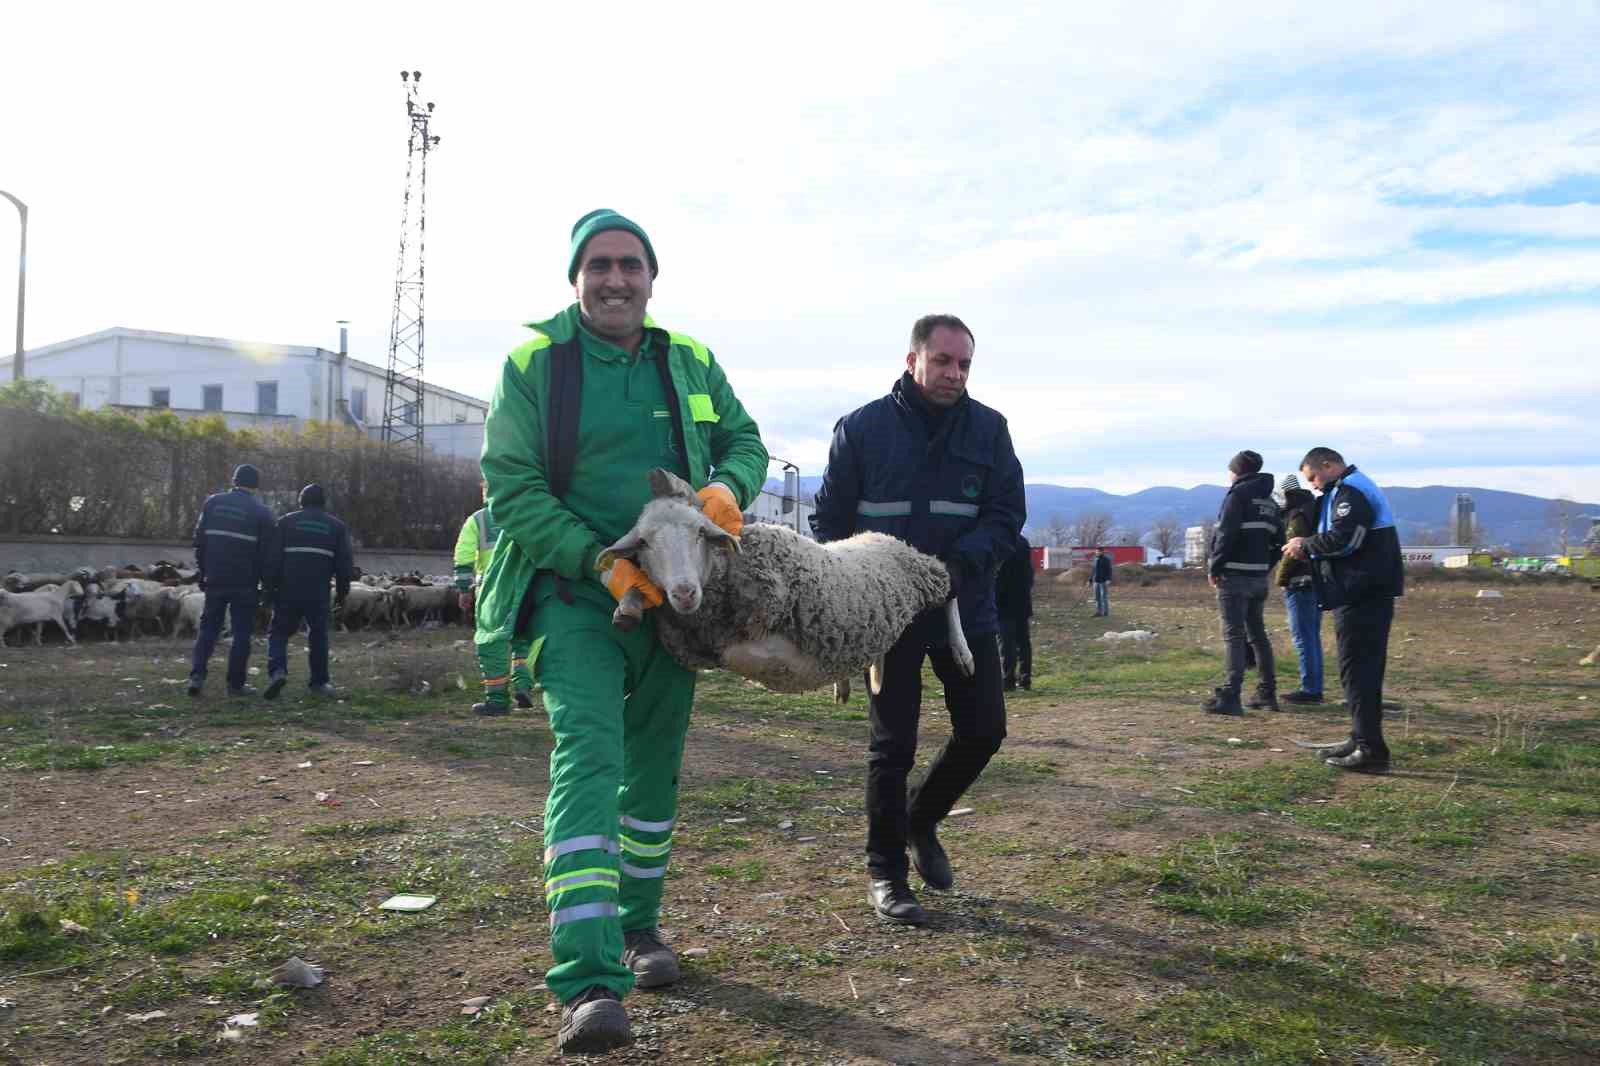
column 1249, row 533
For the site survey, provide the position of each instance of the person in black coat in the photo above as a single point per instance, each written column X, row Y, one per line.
column 1244, row 548
column 934, row 467
column 1100, row 577
column 232, row 539
column 311, row 549
column 1013, row 595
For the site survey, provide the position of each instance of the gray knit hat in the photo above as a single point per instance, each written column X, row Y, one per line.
column 1288, row 483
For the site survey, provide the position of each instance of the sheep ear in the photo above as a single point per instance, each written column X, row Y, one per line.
column 719, row 536
column 664, row 483
column 626, row 548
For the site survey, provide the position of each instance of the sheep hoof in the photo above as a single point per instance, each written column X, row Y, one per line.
column 626, row 620
column 841, row 691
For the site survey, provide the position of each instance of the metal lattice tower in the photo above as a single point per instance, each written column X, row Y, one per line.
column 402, row 396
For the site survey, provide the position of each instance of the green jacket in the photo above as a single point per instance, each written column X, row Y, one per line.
column 623, row 431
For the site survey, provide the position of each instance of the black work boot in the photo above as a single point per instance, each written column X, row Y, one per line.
column 894, row 900
column 1264, row 699
column 525, row 699
column 928, row 856
column 593, row 1021
column 241, row 691
column 1026, row 681
column 653, row 963
column 1300, row 695
column 279, row 679
column 1361, row 760
column 323, row 689
column 196, row 683
column 492, row 708
column 1223, row 701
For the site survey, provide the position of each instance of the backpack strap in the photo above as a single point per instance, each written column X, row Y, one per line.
column 561, row 416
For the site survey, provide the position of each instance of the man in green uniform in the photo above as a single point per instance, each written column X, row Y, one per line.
column 474, row 546
column 643, row 397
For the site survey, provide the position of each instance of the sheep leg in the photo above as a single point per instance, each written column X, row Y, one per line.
column 64, row 631
column 630, row 609
column 875, row 676
column 958, row 641
column 841, row 691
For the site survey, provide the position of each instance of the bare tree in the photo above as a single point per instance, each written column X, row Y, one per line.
column 1126, row 535
column 1057, row 534
column 1166, row 536
column 1592, row 542
column 1426, row 536
column 1558, row 520
column 1090, row 530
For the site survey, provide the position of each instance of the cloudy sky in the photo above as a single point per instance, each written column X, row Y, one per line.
column 1176, row 229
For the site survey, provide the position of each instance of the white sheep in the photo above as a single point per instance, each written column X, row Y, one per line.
column 772, row 606
column 431, row 600
column 47, row 604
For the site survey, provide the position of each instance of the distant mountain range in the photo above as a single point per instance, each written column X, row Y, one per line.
column 1511, row 518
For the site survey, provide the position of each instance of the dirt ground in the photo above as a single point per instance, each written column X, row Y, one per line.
column 1136, row 882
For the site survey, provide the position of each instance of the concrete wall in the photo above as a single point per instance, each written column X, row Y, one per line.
column 64, row 554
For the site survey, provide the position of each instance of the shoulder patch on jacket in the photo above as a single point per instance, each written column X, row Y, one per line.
column 701, row 352
column 522, row 354
column 1342, row 510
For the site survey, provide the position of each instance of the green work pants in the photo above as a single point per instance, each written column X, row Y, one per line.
column 619, row 708
column 497, row 671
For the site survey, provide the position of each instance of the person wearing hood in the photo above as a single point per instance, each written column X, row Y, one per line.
column 932, row 466
column 1244, row 547
column 311, row 549
column 232, row 541
column 1299, row 592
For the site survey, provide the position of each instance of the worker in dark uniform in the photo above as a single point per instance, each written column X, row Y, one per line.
column 1013, row 597
column 311, row 548
column 932, row 466
column 1244, row 548
column 1359, row 572
column 231, row 540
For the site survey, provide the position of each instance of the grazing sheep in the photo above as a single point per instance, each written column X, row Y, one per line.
column 430, row 600
column 772, row 606
column 365, row 605
column 20, row 582
column 47, row 604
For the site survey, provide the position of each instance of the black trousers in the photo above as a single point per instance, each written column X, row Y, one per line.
column 1016, row 649
column 1363, row 634
column 238, row 605
column 286, row 618
column 977, row 709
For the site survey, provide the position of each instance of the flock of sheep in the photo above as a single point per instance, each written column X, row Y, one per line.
column 166, row 598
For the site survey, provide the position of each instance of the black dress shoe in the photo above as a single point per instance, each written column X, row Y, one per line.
column 1362, row 761
column 893, row 899
column 1338, row 751
column 928, row 856
column 275, row 686
column 524, row 699
column 1300, row 695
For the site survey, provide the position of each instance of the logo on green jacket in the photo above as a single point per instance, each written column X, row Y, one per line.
column 971, row 486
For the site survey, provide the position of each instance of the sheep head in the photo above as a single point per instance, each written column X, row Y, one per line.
column 674, row 543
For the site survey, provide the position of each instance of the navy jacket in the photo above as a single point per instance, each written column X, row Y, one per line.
column 1356, row 552
column 311, row 547
column 1101, row 574
column 232, row 539
column 946, row 482
column 1248, row 538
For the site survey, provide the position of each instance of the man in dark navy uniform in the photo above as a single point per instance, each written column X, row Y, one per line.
column 936, row 468
column 311, row 548
column 231, row 540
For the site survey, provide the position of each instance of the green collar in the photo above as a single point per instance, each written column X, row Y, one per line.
column 569, row 323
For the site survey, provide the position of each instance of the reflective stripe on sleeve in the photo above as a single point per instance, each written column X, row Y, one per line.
column 883, row 508
column 311, row 551
column 230, row 533
column 595, row 842
column 629, row 822
column 583, row 911
column 1257, row 525
column 966, row 510
column 1247, row 566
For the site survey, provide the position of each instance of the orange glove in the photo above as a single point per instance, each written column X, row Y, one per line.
column 722, row 508
column 625, row 576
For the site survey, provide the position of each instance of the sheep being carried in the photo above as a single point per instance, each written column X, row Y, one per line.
column 771, row 605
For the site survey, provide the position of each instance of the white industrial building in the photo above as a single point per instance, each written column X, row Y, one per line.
column 248, row 384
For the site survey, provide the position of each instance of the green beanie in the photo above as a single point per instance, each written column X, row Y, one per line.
column 598, row 222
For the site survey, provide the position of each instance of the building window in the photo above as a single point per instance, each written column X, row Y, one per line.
column 358, row 404
column 160, row 397
column 211, row 397
column 266, row 397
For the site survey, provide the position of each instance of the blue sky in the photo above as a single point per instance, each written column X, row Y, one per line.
column 1177, row 230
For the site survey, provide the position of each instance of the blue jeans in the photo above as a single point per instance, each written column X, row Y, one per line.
column 240, row 606
column 286, row 617
column 1102, row 597
column 1305, row 625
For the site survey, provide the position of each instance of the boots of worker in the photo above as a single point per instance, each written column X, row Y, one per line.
column 1223, row 701
column 653, row 963
column 525, row 699
column 593, row 1021
column 1264, row 699
column 893, row 899
column 275, row 684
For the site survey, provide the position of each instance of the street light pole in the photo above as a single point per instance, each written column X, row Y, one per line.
column 22, row 281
